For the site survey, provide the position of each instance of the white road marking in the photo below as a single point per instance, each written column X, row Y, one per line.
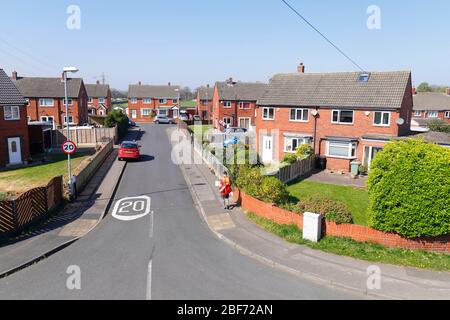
column 149, row 281
column 124, row 208
column 152, row 219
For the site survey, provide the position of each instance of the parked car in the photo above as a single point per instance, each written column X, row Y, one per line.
column 129, row 151
column 184, row 117
column 235, row 131
column 164, row 120
column 131, row 124
column 197, row 118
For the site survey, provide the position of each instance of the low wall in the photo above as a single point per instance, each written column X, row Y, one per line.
column 355, row 232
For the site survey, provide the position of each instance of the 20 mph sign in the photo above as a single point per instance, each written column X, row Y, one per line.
column 69, row 147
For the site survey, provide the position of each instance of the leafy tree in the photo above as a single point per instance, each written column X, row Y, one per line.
column 439, row 125
column 119, row 119
column 409, row 188
column 424, row 87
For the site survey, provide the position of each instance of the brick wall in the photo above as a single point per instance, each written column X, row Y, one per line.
column 355, row 232
column 12, row 129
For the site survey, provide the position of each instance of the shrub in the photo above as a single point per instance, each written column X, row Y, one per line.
column 439, row 125
column 409, row 188
column 271, row 190
column 332, row 210
column 290, row 158
column 304, row 151
column 119, row 119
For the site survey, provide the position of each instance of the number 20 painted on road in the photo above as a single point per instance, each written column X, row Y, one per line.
column 132, row 208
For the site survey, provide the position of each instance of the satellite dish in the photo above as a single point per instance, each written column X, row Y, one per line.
column 315, row 113
column 400, row 121
column 367, row 113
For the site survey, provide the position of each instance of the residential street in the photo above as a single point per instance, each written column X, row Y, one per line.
column 167, row 254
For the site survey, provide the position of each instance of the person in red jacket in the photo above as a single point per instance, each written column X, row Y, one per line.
column 225, row 190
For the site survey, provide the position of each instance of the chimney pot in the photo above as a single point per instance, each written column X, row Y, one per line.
column 169, row 84
column 414, row 90
column 301, row 68
column 140, row 83
column 14, row 75
column 98, row 81
column 207, row 85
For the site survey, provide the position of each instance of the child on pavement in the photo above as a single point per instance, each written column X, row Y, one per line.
column 225, row 190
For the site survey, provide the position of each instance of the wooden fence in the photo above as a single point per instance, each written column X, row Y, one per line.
column 297, row 170
column 86, row 137
column 30, row 208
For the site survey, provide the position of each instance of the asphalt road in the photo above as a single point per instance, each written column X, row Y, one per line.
column 167, row 254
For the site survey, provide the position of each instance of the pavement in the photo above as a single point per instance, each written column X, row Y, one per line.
column 74, row 221
column 167, row 252
column 318, row 267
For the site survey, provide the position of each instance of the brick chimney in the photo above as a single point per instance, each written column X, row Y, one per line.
column 169, row 84
column 230, row 81
column 62, row 77
column 301, row 68
column 98, row 81
column 414, row 90
column 447, row 91
column 207, row 85
column 139, row 83
column 14, row 75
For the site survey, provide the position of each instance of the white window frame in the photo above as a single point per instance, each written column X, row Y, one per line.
column 70, row 102
column 11, row 112
column 147, row 101
column 227, row 104
column 266, row 117
column 339, row 117
column 90, row 100
column 303, row 111
column 101, row 100
column 134, row 100
column 70, row 117
column 288, row 141
column 162, row 101
column 144, row 111
column 45, row 119
column 447, row 115
column 245, row 118
column 175, row 101
column 433, row 113
column 417, row 113
column 45, row 104
column 383, row 113
column 228, row 121
column 242, row 105
column 352, row 146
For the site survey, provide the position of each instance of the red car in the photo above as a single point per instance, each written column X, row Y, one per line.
column 129, row 151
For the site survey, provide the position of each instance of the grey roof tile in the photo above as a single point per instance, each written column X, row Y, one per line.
column 241, row 91
column 384, row 90
column 431, row 101
column 206, row 93
column 32, row 87
column 155, row 92
column 97, row 90
column 9, row 94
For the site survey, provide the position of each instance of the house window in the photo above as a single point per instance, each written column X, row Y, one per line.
column 244, row 105
column 417, row 113
column 134, row 101
column 268, row 113
column 227, row 121
column 46, row 102
column 162, row 101
column 292, row 143
column 146, row 112
column 342, row 117
column 70, row 102
column 299, row 115
column 175, row 100
column 340, row 149
column 48, row 119
column 244, row 123
column 227, row 104
column 90, row 100
column 204, row 102
column 101, row 100
column 382, row 119
column 447, row 114
column 146, row 101
column 433, row 114
column 11, row 113
column 70, row 120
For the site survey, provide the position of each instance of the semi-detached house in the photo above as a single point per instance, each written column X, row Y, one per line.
column 14, row 140
column 344, row 116
column 99, row 99
column 46, row 99
column 145, row 101
column 205, row 102
column 429, row 106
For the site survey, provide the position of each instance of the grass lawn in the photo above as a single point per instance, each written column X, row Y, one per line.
column 357, row 200
column 363, row 251
column 188, row 104
column 21, row 180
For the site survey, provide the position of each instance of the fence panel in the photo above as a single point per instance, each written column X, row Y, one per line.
column 6, row 216
column 84, row 136
column 54, row 192
column 297, row 170
column 30, row 206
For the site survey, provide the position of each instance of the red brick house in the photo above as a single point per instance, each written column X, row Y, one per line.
column 234, row 104
column 99, row 99
column 345, row 117
column 145, row 101
column 14, row 139
column 46, row 97
column 205, row 102
column 429, row 106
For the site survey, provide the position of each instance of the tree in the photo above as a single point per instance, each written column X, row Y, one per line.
column 118, row 94
column 119, row 119
column 439, row 125
column 424, row 87
column 409, row 188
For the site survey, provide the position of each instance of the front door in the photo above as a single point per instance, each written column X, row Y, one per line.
column 370, row 154
column 267, row 153
column 14, row 150
column 133, row 114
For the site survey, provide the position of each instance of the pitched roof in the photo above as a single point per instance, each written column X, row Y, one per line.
column 245, row 91
column 206, row 93
column 97, row 90
column 431, row 101
column 48, row 87
column 156, row 92
column 9, row 94
column 384, row 90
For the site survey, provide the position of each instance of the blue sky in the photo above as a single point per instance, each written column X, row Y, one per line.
column 200, row 41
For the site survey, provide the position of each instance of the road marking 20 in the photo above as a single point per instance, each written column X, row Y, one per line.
column 132, row 208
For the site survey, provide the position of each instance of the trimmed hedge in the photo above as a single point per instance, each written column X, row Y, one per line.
column 409, row 189
column 332, row 210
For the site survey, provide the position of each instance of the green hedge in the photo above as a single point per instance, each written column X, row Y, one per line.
column 409, row 189
column 332, row 210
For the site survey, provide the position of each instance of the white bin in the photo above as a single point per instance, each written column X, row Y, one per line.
column 312, row 226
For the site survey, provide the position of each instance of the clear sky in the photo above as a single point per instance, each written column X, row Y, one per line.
column 201, row 41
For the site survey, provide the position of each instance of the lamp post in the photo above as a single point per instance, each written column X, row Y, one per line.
column 66, row 102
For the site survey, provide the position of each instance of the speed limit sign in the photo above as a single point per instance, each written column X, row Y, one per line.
column 69, row 147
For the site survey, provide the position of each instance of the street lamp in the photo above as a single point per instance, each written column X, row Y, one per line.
column 65, row 72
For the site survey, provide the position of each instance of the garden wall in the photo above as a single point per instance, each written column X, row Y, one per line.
column 355, row 232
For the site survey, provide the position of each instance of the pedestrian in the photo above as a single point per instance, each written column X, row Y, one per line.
column 225, row 190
